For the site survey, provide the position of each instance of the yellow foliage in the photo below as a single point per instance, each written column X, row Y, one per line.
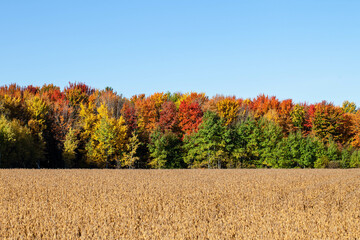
column 200, row 98
column 228, row 109
column 107, row 138
column 272, row 115
column 88, row 119
column 38, row 111
column 158, row 99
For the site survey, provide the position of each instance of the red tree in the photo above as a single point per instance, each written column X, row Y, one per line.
column 168, row 117
column 190, row 117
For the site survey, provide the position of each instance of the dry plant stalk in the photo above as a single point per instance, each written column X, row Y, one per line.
column 180, row 204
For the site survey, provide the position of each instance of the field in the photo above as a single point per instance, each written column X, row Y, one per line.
column 180, row 204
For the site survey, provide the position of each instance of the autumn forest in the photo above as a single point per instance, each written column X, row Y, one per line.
column 82, row 127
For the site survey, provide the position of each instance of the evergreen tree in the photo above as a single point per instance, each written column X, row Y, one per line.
column 206, row 148
column 165, row 150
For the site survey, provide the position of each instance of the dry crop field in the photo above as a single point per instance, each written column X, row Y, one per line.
column 180, row 204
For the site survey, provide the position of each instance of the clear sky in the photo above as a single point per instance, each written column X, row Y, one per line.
column 307, row 50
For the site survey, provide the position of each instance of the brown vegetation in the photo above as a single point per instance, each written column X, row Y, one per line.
column 180, row 204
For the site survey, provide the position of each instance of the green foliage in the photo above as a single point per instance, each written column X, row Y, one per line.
column 247, row 143
column 333, row 152
column 271, row 135
column 355, row 159
column 165, row 150
column 82, row 127
column 321, row 162
column 206, row 148
column 70, row 145
column 346, row 157
column 311, row 149
column 18, row 147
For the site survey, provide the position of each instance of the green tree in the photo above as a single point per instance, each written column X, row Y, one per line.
column 332, row 152
column 165, row 150
column 346, row 157
column 321, row 162
column 271, row 135
column 299, row 151
column 18, row 147
column 355, row 159
column 70, row 145
column 207, row 146
column 311, row 149
column 248, row 145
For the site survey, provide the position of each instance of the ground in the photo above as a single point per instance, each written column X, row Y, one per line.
column 180, row 204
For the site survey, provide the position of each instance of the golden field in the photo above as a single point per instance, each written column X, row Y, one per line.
column 180, row 204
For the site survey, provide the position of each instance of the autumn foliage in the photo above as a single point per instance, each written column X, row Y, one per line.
column 80, row 126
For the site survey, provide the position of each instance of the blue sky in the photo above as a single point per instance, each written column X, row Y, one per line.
column 305, row 50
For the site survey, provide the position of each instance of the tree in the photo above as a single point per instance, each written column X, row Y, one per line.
column 299, row 151
column 228, row 109
column 168, row 118
column 106, row 144
column 297, row 116
column 7, row 138
column 111, row 99
column 190, row 117
column 192, row 97
column 346, row 156
column 332, row 152
column 38, row 123
column 18, row 147
column 130, row 155
column 355, row 130
column 148, row 112
column 129, row 114
column 248, row 143
column 284, row 115
column 165, row 150
column 262, row 104
column 70, row 146
column 355, row 159
column 77, row 93
column 311, row 149
column 271, row 135
column 207, row 146
column 327, row 122
column 349, row 107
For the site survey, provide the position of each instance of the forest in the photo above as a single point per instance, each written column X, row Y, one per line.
column 83, row 127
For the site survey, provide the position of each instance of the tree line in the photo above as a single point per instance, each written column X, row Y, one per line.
column 82, row 127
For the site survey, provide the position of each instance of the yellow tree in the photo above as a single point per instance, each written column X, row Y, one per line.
column 297, row 116
column 130, row 155
column 349, row 107
column 228, row 109
column 272, row 115
column 88, row 119
column 107, row 141
column 38, row 111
